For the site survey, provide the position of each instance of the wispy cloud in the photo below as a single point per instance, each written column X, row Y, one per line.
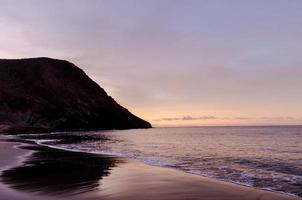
column 281, row 118
column 229, row 119
column 242, row 118
column 186, row 117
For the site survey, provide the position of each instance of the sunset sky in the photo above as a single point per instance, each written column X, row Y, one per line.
column 173, row 62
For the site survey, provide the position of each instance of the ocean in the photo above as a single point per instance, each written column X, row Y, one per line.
column 265, row 157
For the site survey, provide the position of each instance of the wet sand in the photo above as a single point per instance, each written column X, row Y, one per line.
column 35, row 172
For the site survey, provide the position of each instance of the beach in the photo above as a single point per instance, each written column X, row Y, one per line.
column 150, row 100
column 30, row 171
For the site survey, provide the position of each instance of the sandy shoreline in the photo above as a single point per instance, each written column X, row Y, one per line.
column 46, row 173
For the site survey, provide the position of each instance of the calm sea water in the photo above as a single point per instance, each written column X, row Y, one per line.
column 264, row 157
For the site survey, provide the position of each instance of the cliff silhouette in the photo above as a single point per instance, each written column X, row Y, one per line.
column 44, row 94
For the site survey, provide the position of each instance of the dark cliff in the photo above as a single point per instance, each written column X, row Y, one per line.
column 55, row 95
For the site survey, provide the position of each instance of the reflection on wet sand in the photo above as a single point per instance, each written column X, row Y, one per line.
column 58, row 172
column 49, row 174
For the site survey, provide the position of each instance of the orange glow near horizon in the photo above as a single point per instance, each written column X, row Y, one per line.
column 179, row 119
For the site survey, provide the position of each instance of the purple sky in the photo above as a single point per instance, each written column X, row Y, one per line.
column 173, row 62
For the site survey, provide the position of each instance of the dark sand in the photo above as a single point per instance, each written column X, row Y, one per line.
column 36, row 172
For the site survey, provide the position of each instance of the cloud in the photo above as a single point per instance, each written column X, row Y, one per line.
column 242, row 118
column 186, row 118
column 226, row 119
column 280, row 118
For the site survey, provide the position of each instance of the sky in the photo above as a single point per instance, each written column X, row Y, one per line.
column 173, row 62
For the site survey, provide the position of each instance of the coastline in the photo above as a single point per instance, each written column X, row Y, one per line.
column 119, row 178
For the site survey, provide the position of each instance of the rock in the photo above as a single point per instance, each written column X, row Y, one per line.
column 44, row 94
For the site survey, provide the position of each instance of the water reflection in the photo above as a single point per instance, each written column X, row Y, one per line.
column 56, row 171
